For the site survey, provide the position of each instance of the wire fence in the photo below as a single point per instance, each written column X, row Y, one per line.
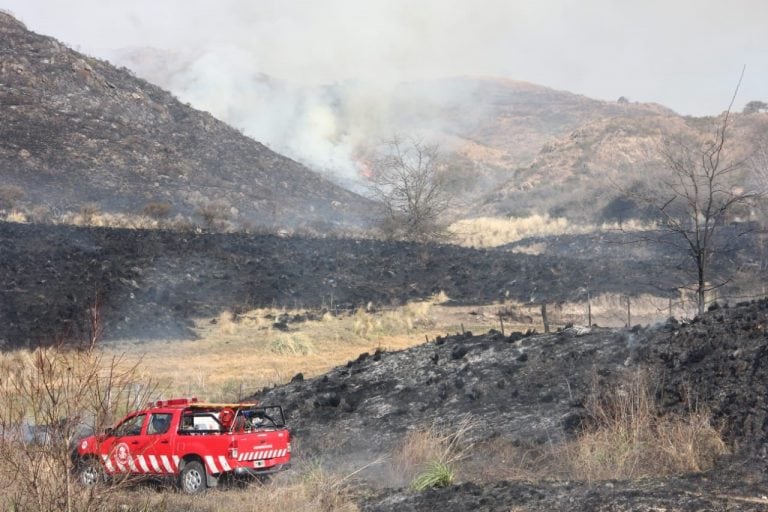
column 615, row 310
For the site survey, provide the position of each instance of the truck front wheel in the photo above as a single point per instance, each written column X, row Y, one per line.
column 192, row 478
column 89, row 472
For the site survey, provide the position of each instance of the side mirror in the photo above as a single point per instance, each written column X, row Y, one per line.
column 108, row 431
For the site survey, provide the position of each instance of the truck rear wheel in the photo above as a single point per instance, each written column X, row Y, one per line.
column 192, row 478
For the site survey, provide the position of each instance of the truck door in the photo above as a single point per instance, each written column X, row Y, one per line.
column 119, row 449
column 159, row 457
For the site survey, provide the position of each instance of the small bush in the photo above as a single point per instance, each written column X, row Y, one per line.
column 427, row 457
column 438, row 474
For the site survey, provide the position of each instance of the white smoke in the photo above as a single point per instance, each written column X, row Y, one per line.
column 325, row 127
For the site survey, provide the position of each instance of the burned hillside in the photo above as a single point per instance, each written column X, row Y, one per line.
column 78, row 132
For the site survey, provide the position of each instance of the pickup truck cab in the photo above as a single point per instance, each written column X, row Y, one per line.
column 192, row 442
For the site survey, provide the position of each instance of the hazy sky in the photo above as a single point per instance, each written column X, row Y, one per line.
column 685, row 54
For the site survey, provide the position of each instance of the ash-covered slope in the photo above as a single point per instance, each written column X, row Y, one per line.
column 675, row 494
column 527, row 389
column 531, row 390
column 150, row 283
column 75, row 130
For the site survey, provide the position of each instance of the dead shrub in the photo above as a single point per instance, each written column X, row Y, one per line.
column 49, row 398
column 326, row 491
column 157, row 210
column 502, row 459
column 215, row 214
column 226, row 323
column 628, row 437
column 88, row 212
column 10, row 195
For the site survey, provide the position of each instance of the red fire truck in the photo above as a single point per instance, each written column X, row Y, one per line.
column 193, row 442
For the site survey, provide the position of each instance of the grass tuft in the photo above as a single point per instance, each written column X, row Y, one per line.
column 428, row 457
column 437, row 475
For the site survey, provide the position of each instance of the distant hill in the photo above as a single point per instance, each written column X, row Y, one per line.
column 510, row 147
column 78, row 134
column 493, row 127
column 581, row 175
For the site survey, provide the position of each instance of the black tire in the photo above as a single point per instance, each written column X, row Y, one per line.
column 90, row 472
column 192, row 479
column 263, row 479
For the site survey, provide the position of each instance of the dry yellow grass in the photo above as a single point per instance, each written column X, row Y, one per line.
column 629, row 439
column 16, row 216
column 445, row 444
column 495, row 231
column 236, row 356
column 626, row 438
column 310, row 491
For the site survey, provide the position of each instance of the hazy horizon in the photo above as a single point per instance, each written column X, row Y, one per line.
column 260, row 65
column 685, row 55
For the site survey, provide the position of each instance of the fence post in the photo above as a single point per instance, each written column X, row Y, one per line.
column 629, row 312
column 544, row 316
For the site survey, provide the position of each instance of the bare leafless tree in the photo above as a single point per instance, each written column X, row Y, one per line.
column 49, row 398
column 407, row 182
column 701, row 192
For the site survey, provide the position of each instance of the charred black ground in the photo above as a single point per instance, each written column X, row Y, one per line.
column 530, row 390
column 151, row 283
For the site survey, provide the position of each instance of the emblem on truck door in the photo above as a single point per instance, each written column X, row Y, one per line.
column 122, row 454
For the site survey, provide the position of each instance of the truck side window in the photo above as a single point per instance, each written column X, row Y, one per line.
column 187, row 422
column 159, row 423
column 131, row 426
